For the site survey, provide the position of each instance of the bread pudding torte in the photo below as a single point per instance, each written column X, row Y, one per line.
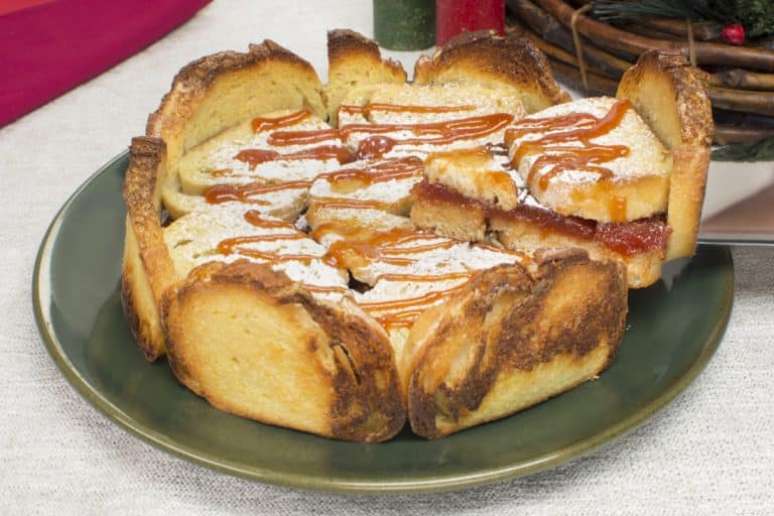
column 343, row 258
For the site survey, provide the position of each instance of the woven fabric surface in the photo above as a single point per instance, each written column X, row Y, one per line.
column 711, row 451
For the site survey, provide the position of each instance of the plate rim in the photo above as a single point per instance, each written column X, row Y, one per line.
column 298, row 480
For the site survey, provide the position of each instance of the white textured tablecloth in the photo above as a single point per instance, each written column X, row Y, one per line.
column 711, row 451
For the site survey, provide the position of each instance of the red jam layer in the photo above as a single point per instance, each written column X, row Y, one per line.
column 625, row 238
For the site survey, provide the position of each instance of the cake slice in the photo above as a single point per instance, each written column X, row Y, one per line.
column 290, row 286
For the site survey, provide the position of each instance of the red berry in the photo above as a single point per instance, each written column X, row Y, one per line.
column 733, row 34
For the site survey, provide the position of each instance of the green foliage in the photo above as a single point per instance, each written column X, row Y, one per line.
column 757, row 16
column 758, row 151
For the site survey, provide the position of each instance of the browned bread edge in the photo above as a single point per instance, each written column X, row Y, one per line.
column 366, row 405
column 354, row 61
column 195, row 82
column 484, row 58
column 505, row 344
column 672, row 98
column 147, row 269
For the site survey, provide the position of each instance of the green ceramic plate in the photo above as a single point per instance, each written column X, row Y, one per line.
column 675, row 327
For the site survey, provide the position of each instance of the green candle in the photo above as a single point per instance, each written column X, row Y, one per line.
column 404, row 24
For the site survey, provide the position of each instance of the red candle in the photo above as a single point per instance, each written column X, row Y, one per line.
column 455, row 16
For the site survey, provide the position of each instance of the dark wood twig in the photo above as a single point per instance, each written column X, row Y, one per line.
column 706, row 53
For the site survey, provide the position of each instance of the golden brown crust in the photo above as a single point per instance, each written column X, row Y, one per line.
column 147, row 269
column 344, row 43
column 365, row 402
column 216, row 92
column 196, row 77
column 672, row 97
column 503, row 327
column 355, row 61
column 503, row 63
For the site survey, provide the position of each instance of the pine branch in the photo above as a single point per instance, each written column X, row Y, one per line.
column 757, row 16
column 616, row 10
column 762, row 150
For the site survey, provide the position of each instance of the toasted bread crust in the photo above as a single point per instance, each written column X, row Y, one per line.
column 147, row 269
column 511, row 63
column 365, row 403
column 672, row 97
column 355, row 61
column 194, row 109
column 524, row 337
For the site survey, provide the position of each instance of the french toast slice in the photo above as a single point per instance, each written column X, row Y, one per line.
column 215, row 95
column 504, row 65
column 208, row 96
column 257, row 344
column 671, row 96
column 261, row 327
column 478, row 332
column 147, row 270
column 247, row 153
column 355, row 61
column 510, row 339
column 593, row 158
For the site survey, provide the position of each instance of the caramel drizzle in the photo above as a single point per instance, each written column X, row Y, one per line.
column 400, row 319
column 390, row 247
column 344, row 203
column 412, row 307
column 260, row 124
column 383, row 247
column 232, row 246
column 325, row 289
column 439, row 133
column 581, row 127
column 255, row 157
column 255, row 218
column 382, row 172
column 243, row 193
column 424, row 277
column 385, row 171
column 367, row 109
